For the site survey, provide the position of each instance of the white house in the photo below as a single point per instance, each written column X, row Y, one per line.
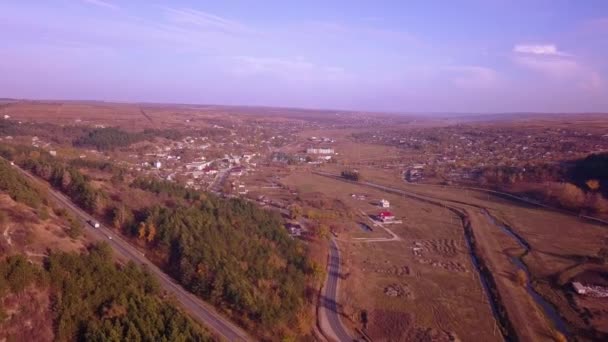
column 579, row 288
column 157, row 164
column 384, row 203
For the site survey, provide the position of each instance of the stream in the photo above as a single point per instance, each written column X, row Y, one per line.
column 547, row 308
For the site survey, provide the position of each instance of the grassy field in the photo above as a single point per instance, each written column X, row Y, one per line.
column 558, row 243
column 433, row 287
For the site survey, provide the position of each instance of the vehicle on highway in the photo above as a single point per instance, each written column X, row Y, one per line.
column 94, row 224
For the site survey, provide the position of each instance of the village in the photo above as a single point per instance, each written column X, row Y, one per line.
column 462, row 152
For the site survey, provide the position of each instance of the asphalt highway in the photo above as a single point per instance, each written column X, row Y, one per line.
column 330, row 295
column 201, row 311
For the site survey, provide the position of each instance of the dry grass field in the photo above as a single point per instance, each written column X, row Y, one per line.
column 23, row 231
column 424, row 281
column 558, row 244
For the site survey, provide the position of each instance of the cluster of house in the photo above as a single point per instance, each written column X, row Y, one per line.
column 385, row 216
column 320, row 150
column 321, row 139
column 458, row 152
column 414, row 173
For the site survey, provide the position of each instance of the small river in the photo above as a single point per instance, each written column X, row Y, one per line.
column 548, row 309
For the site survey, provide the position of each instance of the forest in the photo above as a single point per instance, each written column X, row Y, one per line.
column 579, row 185
column 109, row 138
column 94, row 299
column 20, row 190
column 158, row 186
column 232, row 254
column 229, row 252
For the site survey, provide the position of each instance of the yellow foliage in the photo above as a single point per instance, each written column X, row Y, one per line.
column 151, row 232
column 141, row 232
column 559, row 337
column 521, row 278
column 593, row 184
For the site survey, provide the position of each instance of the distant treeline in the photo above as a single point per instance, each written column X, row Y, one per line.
column 594, row 166
column 49, row 132
column 579, row 172
column 579, row 185
column 94, row 299
column 82, row 136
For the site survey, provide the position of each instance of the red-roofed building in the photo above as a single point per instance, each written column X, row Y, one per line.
column 385, row 216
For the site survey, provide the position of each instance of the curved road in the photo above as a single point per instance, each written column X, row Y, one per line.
column 329, row 300
column 203, row 312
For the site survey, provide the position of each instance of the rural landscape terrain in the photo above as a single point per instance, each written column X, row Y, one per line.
column 150, row 222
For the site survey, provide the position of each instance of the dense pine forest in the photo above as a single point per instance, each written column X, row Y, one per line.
column 229, row 252
column 94, row 299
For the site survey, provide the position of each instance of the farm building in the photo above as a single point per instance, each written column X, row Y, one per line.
column 386, row 216
column 320, row 150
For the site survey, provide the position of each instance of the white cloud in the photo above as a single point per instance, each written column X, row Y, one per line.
column 101, row 3
column 538, row 49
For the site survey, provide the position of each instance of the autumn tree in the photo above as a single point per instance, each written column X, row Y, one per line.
column 295, row 211
column 558, row 336
column 593, row 184
column 120, row 216
column 141, row 231
column 151, row 232
column 567, row 194
column 521, row 278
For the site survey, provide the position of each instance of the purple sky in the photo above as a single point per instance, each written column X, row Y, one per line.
column 407, row 56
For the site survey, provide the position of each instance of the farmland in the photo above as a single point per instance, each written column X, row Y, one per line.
column 472, row 248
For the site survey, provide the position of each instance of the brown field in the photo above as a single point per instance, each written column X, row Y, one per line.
column 24, row 232
column 437, row 289
column 559, row 243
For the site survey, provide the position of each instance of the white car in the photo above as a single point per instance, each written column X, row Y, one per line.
column 109, row 237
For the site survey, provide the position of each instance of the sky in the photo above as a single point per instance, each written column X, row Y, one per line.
column 465, row 56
